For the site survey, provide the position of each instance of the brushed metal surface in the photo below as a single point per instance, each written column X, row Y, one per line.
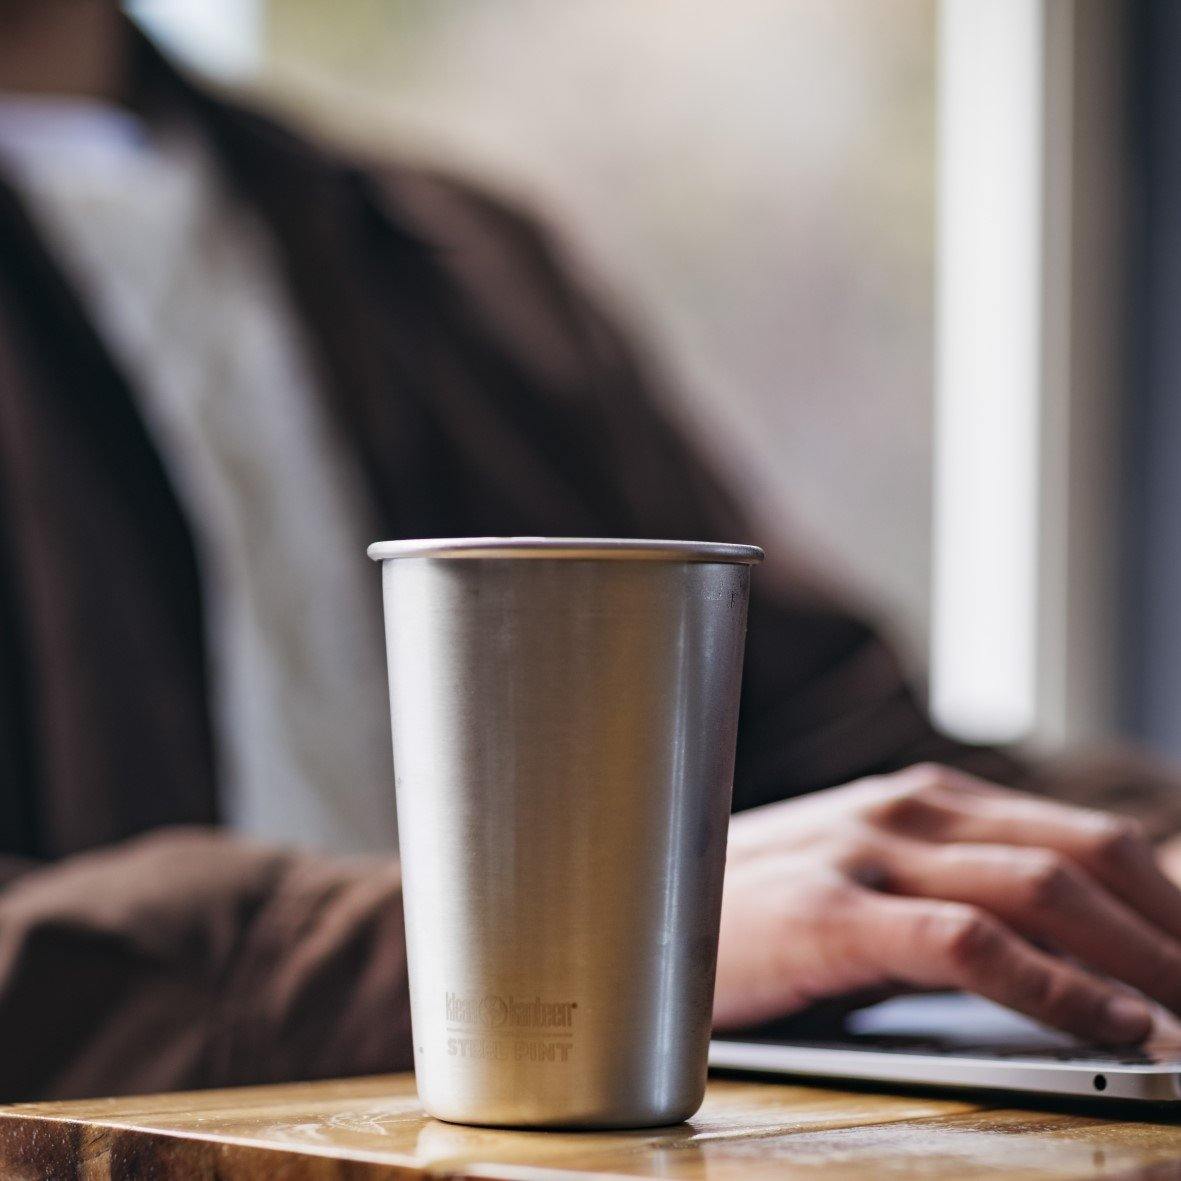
column 564, row 732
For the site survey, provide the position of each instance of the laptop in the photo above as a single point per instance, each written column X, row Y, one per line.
column 960, row 1041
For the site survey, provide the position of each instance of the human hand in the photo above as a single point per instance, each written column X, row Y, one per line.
column 930, row 878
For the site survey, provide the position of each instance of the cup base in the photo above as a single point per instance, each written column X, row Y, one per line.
column 569, row 1121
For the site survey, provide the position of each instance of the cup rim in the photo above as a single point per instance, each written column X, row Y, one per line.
column 585, row 548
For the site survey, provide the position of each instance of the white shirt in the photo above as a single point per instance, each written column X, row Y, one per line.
column 183, row 284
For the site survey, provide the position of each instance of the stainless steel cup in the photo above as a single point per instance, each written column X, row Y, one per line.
column 564, row 718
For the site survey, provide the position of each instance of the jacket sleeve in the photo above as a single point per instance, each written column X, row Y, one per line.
column 189, row 958
column 826, row 698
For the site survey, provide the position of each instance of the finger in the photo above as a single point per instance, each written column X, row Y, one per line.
column 949, row 945
column 954, row 806
column 1045, row 895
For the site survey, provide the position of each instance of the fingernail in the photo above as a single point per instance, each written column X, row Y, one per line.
column 1166, row 1029
column 1125, row 1019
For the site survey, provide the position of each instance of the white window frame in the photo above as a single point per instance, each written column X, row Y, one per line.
column 1028, row 318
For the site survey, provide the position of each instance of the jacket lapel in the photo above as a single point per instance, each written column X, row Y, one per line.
column 453, row 433
column 103, row 606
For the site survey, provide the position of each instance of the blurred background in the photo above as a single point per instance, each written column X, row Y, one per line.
column 893, row 255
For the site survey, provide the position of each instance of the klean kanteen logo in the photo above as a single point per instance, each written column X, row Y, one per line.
column 509, row 1012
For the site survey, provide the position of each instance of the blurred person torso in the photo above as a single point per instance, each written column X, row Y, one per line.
column 184, row 286
column 239, row 297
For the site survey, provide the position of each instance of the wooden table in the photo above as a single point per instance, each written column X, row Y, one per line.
column 373, row 1128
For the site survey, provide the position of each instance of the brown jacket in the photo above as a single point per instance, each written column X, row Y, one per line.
column 485, row 392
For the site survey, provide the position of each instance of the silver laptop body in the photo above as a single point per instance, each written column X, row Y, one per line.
column 958, row 1041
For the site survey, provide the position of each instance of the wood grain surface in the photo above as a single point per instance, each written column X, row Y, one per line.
column 373, row 1128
